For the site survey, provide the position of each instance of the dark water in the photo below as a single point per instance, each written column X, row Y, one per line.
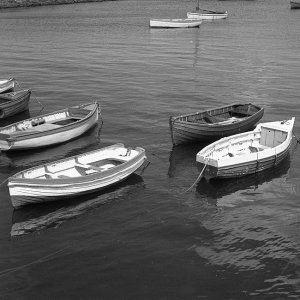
column 146, row 238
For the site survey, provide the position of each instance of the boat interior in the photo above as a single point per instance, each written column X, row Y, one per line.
column 47, row 122
column 230, row 114
column 80, row 166
column 265, row 139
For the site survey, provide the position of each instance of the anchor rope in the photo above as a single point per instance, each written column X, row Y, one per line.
column 34, row 98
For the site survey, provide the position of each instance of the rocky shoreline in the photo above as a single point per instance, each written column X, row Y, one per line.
column 30, row 3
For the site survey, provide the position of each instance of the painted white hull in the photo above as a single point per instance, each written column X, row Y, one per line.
column 25, row 191
column 37, row 139
column 248, row 152
column 7, row 85
column 208, row 16
column 174, row 23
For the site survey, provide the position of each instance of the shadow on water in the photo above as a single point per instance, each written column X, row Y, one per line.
column 33, row 218
column 182, row 156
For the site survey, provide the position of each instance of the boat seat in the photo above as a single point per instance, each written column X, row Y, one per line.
column 87, row 167
column 258, row 148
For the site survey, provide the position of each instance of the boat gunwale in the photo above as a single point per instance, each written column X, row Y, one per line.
column 173, row 119
column 10, row 101
column 36, row 134
column 12, row 180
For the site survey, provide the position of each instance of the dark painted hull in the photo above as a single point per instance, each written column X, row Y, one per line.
column 184, row 131
column 295, row 4
column 14, row 103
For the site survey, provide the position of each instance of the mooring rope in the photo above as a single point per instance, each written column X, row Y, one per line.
column 34, row 98
column 298, row 140
column 198, row 178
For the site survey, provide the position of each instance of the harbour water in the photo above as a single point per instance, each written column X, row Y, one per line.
column 146, row 238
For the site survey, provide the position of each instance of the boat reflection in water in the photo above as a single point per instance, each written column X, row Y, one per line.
column 229, row 192
column 184, row 169
column 38, row 217
column 182, row 157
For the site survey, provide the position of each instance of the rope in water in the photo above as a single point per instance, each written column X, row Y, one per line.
column 34, row 98
column 198, row 178
column 297, row 139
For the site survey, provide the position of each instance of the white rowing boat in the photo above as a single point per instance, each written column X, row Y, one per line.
column 247, row 153
column 76, row 175
column 174, row 23
column 49, row 129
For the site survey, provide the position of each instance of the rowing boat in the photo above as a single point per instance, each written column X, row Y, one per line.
column 49, row 129
column 76, row 175
column 212, row 124
column 295, row 4
column 247, row 153
column 204, row 14
column 174, row 23
column 7, row 85
column 13, row 103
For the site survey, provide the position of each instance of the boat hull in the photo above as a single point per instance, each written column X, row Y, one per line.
column 295, row 4
column 244, row 168
column 14, row 103
column 184, row 131
column 51, row 137
column 33, row 191
column 247, row 153
column 207, row 16
column 7, row 85
column 174, row 23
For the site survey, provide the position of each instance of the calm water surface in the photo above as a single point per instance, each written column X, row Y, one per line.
column 146, row 238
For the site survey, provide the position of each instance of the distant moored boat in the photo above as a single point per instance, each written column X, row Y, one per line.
column 295, row 4
column 174, row 23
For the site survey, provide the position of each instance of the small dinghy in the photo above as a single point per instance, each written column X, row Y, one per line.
column 212, row 124
column 174, row 23
column 204, row 14
column 7, row 85
column 49, row 129
column 13, row 103
column 76, row 175
column 295, row 4
column 247, row 153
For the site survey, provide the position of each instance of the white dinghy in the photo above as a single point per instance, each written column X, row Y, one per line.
column 76, row 175
column 174, row 23
column 247, row 153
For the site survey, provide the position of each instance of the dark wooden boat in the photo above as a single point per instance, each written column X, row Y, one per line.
column 295, row 4
column 13, row 103
column 7, row 85
column 214, row 123
column 50, row 129
column 249, row 152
